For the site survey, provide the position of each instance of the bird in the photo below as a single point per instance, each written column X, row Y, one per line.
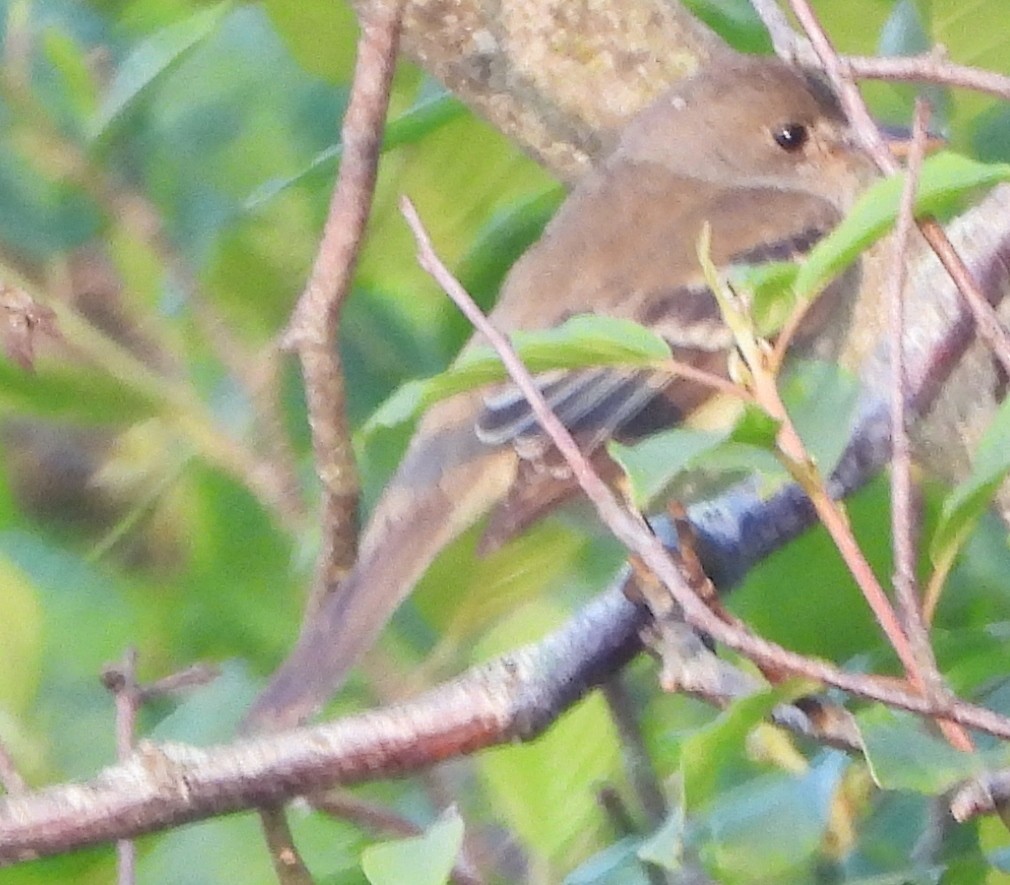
column 753, row 147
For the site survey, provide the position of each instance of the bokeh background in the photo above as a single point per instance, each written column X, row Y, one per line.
column 165, row 169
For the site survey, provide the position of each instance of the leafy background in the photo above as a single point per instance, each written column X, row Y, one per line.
column 150, row 150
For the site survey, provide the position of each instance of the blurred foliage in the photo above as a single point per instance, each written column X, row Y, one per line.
column 165, row 169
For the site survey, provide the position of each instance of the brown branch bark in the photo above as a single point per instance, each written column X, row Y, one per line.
column 313, row 327
column 512, row 698
column 556, row 77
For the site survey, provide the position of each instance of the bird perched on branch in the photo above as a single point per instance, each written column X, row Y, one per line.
column 755, row 148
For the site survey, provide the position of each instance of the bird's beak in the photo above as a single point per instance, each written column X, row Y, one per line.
column 899, row 140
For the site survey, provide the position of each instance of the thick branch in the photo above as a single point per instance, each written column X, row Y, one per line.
column 556, row 77
column 515, row 697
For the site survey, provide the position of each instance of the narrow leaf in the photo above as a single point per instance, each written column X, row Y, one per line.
column 966, row 504
column 152, row 58
column 945, row 177
column 579, row 342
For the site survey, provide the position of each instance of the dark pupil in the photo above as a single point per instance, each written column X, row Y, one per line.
column 791, row 136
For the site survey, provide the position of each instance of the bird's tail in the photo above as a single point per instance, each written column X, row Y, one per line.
column 445, row 482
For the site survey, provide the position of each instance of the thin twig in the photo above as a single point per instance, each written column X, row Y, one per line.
column 193, row 676
column 987, row 794
column 830, row 512
column 904, row 527
column 288, row 865
column 929, row 68
column 517, row 696
column 122, row 682
column 637, row 762
column 313, row 328
column 786, row 42
column 500, row 702
column 316, row 318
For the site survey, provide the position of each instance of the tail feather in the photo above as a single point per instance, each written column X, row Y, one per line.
column 446, row 481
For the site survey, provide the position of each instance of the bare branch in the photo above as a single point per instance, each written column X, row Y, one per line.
column 512, row 698
column 903, row 523
column 931, row 68
column 313, row 327
column 787, row 43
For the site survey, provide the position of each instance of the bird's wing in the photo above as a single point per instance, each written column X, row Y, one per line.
column 591, row 403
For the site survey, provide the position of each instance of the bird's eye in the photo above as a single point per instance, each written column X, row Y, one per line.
column 791, row 136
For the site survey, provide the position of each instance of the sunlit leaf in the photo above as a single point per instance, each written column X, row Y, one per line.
column 580, row 341
column 770, row 288
column 425, row 117
column 79, row 87
column 71, row 393
column 652, row 464
column 321, row 34
column 945, row 177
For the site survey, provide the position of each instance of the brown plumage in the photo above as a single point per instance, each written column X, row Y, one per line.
column 758, row 150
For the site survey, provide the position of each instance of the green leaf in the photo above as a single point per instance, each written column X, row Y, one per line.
column 20, row 638
column 945, row 177
column 421, row 860
column 150, row 59
column 905, row 32
column 617, row 864
column 527, row 783
column 584, row 341
column 652, row 464
column 739, row 826
column 430, row 113
column 772, row 294
column 87, row 619
column 320, row 34
column 665, row 847
column 71, row 394
column 735, row 21
column 756, row 428
column 580, row 341
column 903, row 756
column 412, row 126
column 821, row 399
column 970, row 499
column 210, row 713
column 704, row 754
column 70, row 62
